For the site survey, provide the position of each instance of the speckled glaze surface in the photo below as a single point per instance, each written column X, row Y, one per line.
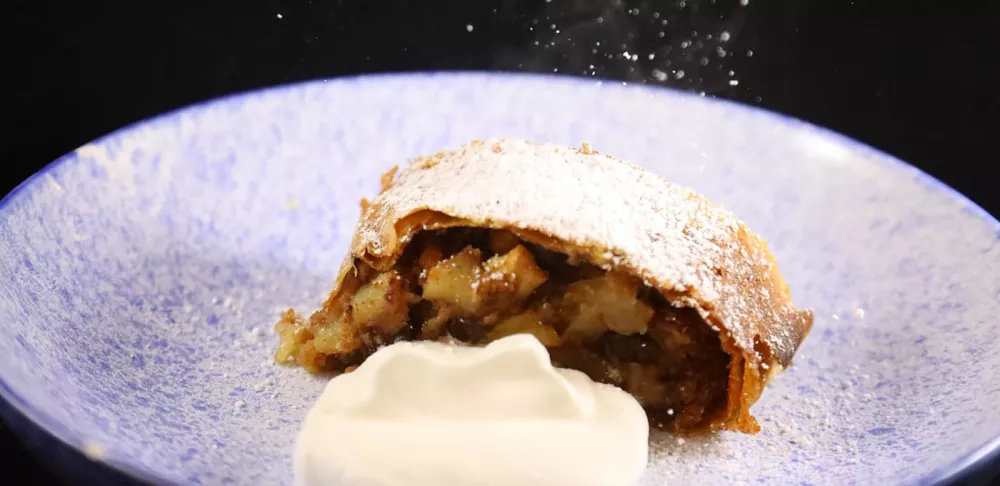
column 145, row 270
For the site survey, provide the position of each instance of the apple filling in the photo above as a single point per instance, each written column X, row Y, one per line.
column 477, row 285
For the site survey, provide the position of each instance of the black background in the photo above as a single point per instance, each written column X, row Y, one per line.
column 916, row 78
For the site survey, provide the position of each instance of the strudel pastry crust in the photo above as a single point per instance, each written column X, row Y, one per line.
column 620, row 273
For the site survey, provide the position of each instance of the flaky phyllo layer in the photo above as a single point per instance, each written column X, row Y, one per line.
column 634, row 281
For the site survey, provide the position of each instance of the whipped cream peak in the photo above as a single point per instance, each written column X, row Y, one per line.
column 429, row 413
column 509, row 379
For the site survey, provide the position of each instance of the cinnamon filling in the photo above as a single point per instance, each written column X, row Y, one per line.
column 477, row 285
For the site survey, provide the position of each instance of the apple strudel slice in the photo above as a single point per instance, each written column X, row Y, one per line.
column 621, row 274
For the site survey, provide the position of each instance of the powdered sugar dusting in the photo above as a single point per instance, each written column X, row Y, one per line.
column 670, row 236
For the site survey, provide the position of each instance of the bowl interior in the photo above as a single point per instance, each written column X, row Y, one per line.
column 145, row 271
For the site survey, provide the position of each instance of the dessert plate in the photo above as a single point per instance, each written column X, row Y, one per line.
column 145, row 270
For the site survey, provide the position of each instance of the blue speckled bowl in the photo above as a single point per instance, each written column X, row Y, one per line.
column 145, row 271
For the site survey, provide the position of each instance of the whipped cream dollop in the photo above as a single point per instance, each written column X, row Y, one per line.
column 430, row 413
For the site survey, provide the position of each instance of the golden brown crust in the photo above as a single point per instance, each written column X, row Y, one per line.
column 610, row 214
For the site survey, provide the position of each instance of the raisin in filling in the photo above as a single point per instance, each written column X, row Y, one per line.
column 477, row 285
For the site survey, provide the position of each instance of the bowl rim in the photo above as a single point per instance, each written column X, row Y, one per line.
column 952, row 473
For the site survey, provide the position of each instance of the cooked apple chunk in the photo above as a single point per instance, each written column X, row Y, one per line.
column 382, row 304
column 453, row 281
column 529, row 322
column 606, row 303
